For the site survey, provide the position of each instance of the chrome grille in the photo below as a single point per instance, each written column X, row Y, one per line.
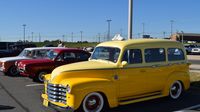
column 56, row 93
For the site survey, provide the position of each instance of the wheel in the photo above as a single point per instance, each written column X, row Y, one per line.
column 13, row 71
column 93, row 102
column 40, row 76
column 176, row 90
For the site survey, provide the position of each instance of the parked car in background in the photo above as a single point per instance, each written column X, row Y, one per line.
column 119, row 73
column 195, row 50
column 14, row 49
column 189, row 48
column 7, row 53
column 37, row 68
column 7, row 65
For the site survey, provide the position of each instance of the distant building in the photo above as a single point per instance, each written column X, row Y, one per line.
column 186, row 37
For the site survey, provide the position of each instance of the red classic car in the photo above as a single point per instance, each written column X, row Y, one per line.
column 37, row 68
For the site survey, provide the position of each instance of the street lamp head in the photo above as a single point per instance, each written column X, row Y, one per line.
column 109, row 20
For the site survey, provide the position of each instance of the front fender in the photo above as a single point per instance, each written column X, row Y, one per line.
column 80, row 87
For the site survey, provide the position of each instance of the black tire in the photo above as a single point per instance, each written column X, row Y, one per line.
column 39, row 76
column 176, row 90
column 12, row 71
column 93, row 102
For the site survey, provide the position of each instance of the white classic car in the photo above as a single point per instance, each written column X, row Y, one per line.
column 7, row 65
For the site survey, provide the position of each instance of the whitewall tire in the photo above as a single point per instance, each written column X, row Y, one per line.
column 93, row 102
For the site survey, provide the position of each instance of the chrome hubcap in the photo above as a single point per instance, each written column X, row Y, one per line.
column 92, row 103
column 176, row 90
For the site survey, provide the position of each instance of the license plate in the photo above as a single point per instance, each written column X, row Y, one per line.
column 45, row 103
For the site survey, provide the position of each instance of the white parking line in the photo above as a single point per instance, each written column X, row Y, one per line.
column 29, row 85
column 189, row 108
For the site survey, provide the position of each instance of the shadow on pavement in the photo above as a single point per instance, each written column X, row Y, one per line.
column 196, row 84
column 4, row 107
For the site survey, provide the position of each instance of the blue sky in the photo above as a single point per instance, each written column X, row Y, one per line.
column 54, row 18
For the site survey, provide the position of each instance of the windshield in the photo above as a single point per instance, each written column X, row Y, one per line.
column 106, row 53
column 52, row 54
column 26, row 53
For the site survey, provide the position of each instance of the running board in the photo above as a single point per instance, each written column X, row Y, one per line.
column 141, row 98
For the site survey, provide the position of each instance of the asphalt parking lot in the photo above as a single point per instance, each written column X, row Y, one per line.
column 20, row 94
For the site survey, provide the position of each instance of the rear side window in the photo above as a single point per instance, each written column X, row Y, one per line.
column 175, row 54
column 69, row 56
column 155, row 55
column 133, row 56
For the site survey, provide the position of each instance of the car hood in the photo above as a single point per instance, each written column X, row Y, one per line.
column 34, row 61
column 16, row 58
column 86, row 65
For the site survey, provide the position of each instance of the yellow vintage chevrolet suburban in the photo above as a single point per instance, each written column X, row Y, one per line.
column 119, row 73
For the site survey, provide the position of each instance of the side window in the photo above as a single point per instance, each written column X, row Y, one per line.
column 69, row 56
column 154, row 55
column 175, row 54
column 60, row 57
column 82, row 56
column 133, row 56
column 40, row 53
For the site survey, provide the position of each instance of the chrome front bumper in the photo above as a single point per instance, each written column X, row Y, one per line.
column 47, row 103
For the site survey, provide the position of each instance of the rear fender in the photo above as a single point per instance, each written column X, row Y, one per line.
column 183, row 77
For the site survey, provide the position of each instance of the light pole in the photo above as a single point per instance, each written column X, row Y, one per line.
column 130, row 19
column 39, row 37
column 81, row 36
column 63, row 38
column 108, row 36
column 32, row 36
column 72, row 36
column 182, row 36
column 24, row 27
column 143, row 29
column 171, row 21
column 164, row 34
column 99, row 36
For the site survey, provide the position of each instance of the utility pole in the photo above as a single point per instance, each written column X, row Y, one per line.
column 72, row 36
column 32, row 36
column 171, row 21
column 130, row 19
column 108, row 36
column 24, row 27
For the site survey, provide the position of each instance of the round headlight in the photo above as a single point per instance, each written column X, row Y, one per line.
column 3, row 65
column 16, row 63
column 24, row 67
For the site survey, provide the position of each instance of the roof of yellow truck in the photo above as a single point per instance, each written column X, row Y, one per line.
column 125, row 43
